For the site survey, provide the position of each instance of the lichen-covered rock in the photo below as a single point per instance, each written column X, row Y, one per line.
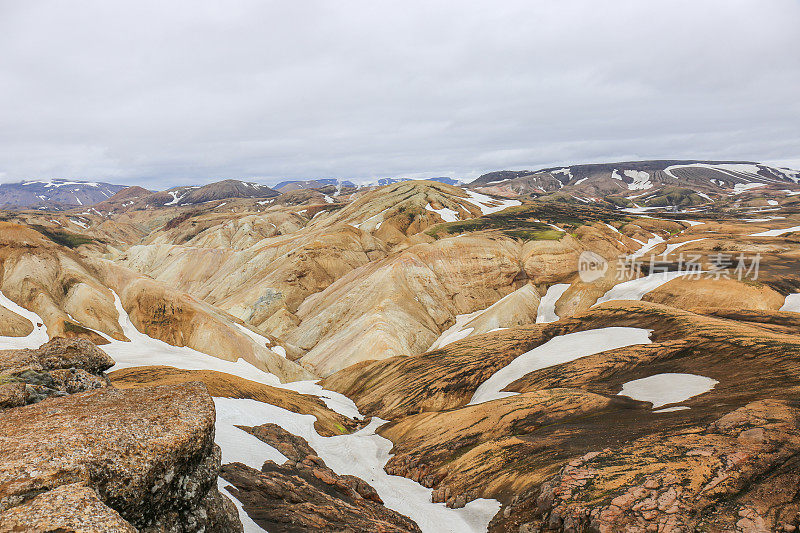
column 58, row 353
column 293, row 447
column 57, row 368
column 73, row 353
column 737, row 474
column 73, row 508
column 149, row 454
column 12, row 394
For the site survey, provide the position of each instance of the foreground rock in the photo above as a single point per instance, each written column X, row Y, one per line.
column 48, row 512
column 305, row 495
column 57, row 368
column 147, row 454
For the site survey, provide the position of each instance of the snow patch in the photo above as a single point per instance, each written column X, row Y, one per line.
column 35, row 339
column 651, row 243
column 672, row 247
column 175, row 198
column 489, row 205
column 448, row 215
column 792, row 303
column 664, row 389
column 641, row 180
column 635, row 289
column 739, row 188
column 547, row 305
column 775, row 232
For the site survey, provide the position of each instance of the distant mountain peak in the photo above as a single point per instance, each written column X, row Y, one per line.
column 55, row 193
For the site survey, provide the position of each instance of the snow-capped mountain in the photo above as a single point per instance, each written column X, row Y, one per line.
column 635, row 179
column 293, row 185
column 388, row 181
column 55, row 193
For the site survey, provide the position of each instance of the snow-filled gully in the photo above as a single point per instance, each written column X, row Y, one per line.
column 362, row 454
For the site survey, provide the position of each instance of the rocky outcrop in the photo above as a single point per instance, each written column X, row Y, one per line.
column 737, row 474
column 146, row 454
column 57, row 368
column 305, row 495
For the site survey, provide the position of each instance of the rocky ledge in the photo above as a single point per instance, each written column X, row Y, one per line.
column 106, row 459
column 303, row 494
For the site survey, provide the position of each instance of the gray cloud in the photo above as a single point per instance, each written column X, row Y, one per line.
column 163, row 93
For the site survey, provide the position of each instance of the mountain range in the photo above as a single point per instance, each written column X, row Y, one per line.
column 625, row 184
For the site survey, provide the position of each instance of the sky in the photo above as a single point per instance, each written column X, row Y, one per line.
column 158, row 94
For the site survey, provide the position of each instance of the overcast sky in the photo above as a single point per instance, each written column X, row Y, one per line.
column 159, row 93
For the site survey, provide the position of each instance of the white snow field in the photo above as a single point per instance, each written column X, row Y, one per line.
column 646, row 247
column 674, row 246
column 547, row 305
column 664, row 389
column 791, row 303
column 484, row 202
column 635, row 289
column 557, row 350
column 448, row 215
column 775, row 232
column 362, row 454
